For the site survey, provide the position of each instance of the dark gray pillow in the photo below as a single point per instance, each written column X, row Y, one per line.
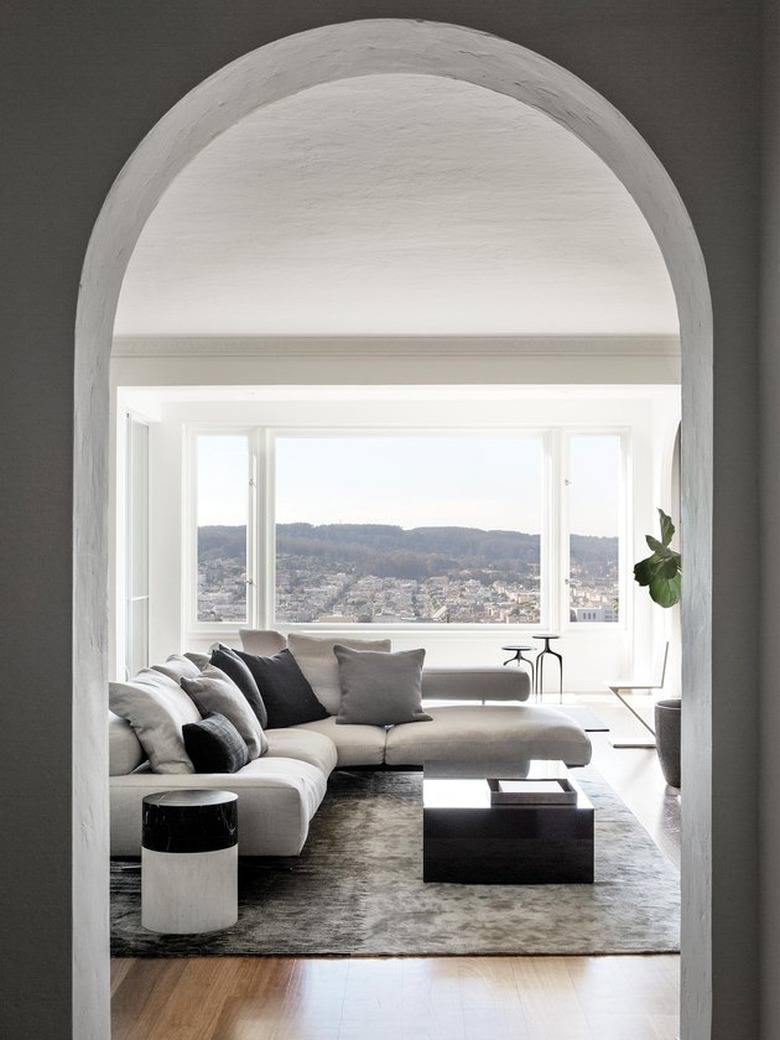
column 215, row 745
column 231, row 664
column 380, row 688
column 286, row 693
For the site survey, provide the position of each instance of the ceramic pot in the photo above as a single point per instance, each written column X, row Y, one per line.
column 668, row 714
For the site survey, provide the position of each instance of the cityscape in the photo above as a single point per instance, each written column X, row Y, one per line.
column 383, row 574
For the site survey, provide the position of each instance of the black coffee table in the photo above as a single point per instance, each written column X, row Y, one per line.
column 468, row 840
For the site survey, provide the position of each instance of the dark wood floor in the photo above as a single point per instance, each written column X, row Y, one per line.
column 455, row 998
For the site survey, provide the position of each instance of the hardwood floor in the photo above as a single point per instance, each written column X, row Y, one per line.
column 455, row 998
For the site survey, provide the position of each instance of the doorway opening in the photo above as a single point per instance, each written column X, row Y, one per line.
column 322, row 56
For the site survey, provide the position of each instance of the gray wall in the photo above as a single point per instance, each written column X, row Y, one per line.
column 81, row 85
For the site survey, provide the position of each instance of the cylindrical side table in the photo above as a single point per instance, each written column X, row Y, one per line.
column 189, row 861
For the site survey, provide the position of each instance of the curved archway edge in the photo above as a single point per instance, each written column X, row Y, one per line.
column 273, row 72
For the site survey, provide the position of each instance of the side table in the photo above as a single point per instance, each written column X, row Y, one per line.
column 547, row 651
column 189, row 861
column 517, row 650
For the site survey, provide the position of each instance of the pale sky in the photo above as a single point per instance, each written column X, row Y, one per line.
column 489, row 482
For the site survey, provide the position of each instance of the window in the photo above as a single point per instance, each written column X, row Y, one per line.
column 137, row 554
column 439, row 528
column 222, row 497
column 408, row 529
column 594, row 483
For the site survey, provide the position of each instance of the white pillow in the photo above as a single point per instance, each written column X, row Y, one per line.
column 157, row 708
column 315, row 658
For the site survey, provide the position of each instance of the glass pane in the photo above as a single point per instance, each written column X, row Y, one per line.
column 222, row 475
column 594, row 519
column 138, row 650
column 438, row 529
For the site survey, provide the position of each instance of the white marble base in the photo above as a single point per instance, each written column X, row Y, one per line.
column 185, row 892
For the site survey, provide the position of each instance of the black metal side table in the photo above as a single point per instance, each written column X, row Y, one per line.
column 547, row 651
column 517, row 650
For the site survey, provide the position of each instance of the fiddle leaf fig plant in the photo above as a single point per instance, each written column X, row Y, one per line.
column 662, row 571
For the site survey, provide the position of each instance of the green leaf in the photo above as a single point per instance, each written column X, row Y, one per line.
column 669, row 569
column 644, row 571
column 658, row 547
column 667, row 527
column 666, row 592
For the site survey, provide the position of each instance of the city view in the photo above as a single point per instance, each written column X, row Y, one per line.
column 385, row 574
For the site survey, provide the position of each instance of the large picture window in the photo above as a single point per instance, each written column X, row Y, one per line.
column 370, row 528
column 408, row 529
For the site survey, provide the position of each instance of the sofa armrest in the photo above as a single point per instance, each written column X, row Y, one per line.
column 488, row 683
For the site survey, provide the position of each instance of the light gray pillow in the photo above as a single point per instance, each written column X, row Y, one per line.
column 157, row 708
column 315, row 658
column 177, row 666
column 214, row 691
column 380, row 688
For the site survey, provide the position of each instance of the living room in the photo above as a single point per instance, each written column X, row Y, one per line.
column 578, row 355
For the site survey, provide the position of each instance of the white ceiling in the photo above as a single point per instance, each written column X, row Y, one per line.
column 396, row 205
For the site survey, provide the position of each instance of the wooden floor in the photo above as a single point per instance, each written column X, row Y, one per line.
column 455, row 998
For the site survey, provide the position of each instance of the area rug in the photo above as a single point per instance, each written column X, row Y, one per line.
column 357, row 890
column 582, row 714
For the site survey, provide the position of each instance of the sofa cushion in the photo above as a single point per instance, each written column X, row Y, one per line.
column 318, row 663
column 231, row 664
column 304, row 744
column 213, row 691
column 215, row 745
column 490, row 733
column 287, row 695
column 157, row 708
column 277, row 797
column 355, row 745
column 380, row 688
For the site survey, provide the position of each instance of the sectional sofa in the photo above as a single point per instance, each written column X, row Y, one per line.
column 283, row 783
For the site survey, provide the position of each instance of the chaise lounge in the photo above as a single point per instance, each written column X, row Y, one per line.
column 281, row 787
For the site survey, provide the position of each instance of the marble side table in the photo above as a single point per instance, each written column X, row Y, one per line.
column 189, row 861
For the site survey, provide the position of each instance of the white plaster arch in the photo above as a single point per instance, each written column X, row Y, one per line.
column 272, row 72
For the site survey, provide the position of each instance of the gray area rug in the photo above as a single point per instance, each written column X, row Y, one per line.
column 582, row 714
column 357, row 890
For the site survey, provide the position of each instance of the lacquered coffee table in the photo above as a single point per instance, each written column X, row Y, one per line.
column 468, row 840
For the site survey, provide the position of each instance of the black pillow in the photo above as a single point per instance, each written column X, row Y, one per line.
column 228, row 661
column 215, row 745
column 286, row 693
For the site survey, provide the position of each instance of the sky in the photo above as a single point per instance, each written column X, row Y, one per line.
column 490, row 482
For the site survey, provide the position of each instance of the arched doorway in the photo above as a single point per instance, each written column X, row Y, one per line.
column 260, row 78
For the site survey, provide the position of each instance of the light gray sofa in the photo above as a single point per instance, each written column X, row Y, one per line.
column 280, row 792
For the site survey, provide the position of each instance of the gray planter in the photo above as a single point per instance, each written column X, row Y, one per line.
column 668, row 715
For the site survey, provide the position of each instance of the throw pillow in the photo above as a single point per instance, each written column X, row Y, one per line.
column 288, row 697
column 318, row 663
column 230, row 663
column 380, row 689
column 177, row 666
column 215, row 745
column 157, row 708
column 213, row 691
